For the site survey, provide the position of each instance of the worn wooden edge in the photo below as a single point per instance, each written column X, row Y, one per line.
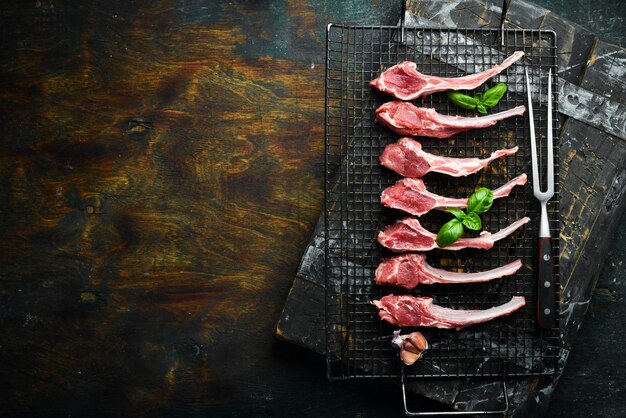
column 303, row 301
column 607, row 61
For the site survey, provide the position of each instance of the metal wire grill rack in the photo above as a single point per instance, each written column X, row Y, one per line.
column 358, row 343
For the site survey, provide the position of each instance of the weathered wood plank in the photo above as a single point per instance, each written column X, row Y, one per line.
column 575, row 42
column 302, row 320
column 594, row 183
column 574, row 46
column 155, row 184
column 606, row 72
column 459, row 14
column 526, row 15
column 592, row 108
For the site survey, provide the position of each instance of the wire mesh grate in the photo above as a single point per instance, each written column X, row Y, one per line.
column 357, row 341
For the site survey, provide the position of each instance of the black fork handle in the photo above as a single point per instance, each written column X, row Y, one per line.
column 546, row 304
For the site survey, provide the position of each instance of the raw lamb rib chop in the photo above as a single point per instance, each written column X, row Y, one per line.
column 412, row 311
column 406, row 83
column 407, row 158
column 406, row 119
column 408, row 235
column 409, row 270
column 410, row 195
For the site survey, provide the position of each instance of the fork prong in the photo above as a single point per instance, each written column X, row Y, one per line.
column 533, row 142
column 550, row 189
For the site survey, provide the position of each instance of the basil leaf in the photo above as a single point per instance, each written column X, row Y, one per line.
column 481, row 108
column 458, row 213
column 472, row 221
column 480, row 201
column 449, row 232
column 492, row 96
column 462, row 100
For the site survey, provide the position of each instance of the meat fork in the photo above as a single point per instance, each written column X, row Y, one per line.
column 546, row 304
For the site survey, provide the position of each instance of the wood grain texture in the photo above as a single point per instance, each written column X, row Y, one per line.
column 161, row 170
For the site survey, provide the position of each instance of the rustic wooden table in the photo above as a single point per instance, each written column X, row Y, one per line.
column 161, row 169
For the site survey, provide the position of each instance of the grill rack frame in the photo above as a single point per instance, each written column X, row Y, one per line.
column 357, row 342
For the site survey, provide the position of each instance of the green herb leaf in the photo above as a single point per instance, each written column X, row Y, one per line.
column 472, row 221
column 480, row 201
column 458, row 213
column 462, row 100
column 492, row 96
column 480, row 101
column 449, row 232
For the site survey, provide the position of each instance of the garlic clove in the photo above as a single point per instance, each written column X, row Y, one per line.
column 412, row 346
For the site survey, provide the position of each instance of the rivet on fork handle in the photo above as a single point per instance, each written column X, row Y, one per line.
column 546, row 306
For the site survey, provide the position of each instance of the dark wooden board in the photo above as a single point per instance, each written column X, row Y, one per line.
column 588, row 184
